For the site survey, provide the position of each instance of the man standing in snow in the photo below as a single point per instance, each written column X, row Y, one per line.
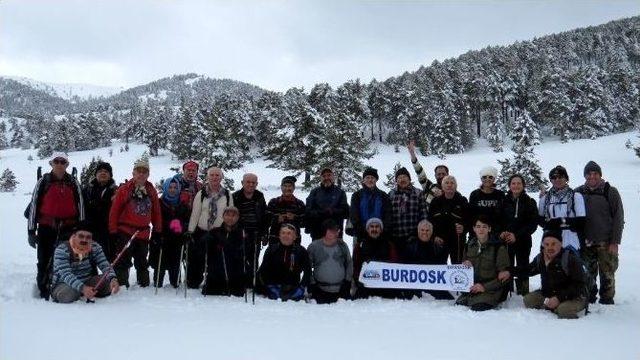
column 135, row 207
column 56, row 207
column 285, row 208
column 327, row 201
column 98, row 196
column 252, row 206
column 408, row 209
column 603, row 231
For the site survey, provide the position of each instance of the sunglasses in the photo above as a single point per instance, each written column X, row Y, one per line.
column 61, row 162
column 486, row 177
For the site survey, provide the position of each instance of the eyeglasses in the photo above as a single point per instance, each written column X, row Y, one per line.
column 60, row 161
column 485, row 177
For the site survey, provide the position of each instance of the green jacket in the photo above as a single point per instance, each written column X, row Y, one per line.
column 488, row 260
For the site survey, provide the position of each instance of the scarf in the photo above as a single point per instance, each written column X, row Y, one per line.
column 213, row 197
column 166, row 197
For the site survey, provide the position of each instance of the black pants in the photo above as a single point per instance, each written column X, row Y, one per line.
column 323, row 297
column 520, row 252
column 252, row 246
column 171, row 247
column 48, row 239
column 455, row 248
column 138, row 250
column 196, row 258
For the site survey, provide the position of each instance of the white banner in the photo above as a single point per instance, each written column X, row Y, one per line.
column 423, row 277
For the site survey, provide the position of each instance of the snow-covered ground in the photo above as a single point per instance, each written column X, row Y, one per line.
column 137, row 324
column 69, row 91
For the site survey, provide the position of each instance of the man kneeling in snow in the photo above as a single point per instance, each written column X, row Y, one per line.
column 561, row 276
column 74, row 268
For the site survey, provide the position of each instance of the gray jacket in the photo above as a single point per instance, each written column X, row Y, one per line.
column 605, row 215
column 331, row 265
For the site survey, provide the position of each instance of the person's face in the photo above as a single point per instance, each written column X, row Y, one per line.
column 369, row 181
column 190, row 173
column 551, row 247
column 287, row 189
column 487, row 180
column 103, row 176
column 327, row 178
column 287, row 236
column 440, row 173
column 140, row 175
column 59, row 165
column 81, row 242
column 481, row 230
column 230, row 218
column 331, row 236
column 516, row 186
column 173, row 189
column 558, row 181
column 448, row 186
column 424, row 232
column 403, row 181
column 249, row 184
column 214, row 176
column 593, row 179
column 374, row 230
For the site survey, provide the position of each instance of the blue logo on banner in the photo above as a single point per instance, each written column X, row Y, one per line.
column 371, row 274
column 459, row 280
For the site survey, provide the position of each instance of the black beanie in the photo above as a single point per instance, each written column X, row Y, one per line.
column 370, row 171
column 559, row 171
column 403, row 171
column 104, row 166
column 289, row 180
column 592, row 166
column 83, row 225
column 552, row 233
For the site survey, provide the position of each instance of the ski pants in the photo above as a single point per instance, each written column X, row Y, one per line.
column 63, row 293
column 138, row 250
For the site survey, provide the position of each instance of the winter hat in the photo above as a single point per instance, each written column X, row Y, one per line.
column 83, row 225
column 289, row 226
column 370, row 171
column 190, row 165
column 592, row 166
column 58, row 155
column 289, row 180
column 489, row 171
column 552, row 233
column 559, row 171
column 325, row 169
column 374, row 221
column 141, row 163
column 402, row 171
column 329, row 224
column 104, row 166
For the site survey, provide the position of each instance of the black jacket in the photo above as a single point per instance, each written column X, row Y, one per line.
column 420, row 252
column 520, row 217
column 252, row 212
column 489, row 205
column 279, row 206
column 225, row 272
column 445, row 213
column 325, row 203
column 565, row 285
column 97, row 202
column 283, row 265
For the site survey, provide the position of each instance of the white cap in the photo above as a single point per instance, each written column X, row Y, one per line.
column 58, row 155
column 489, row 171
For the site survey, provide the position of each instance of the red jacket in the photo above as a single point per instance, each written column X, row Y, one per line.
column 129, row 214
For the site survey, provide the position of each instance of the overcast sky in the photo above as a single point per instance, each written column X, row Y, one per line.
column 273, row 44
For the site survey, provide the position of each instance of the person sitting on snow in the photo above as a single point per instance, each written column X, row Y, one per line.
column 282, row 265
column 74, row 265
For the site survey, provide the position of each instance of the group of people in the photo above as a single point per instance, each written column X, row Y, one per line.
column 218, row 235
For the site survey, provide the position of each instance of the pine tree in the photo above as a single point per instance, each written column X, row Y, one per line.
column 524, row 162
column 184, row 134
column 8, row 181
column 495, row 134
column 18, row 136
column 3, row 137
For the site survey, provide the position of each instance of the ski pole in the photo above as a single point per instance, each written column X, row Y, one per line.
column 206, row 267
column 104, row 275
column 255, row 264
column 186, row 268
column 47, row 277
column 180, row 268
column 244, row 264
column 158, row 270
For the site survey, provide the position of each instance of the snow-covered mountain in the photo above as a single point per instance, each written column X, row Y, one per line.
column 69, row 91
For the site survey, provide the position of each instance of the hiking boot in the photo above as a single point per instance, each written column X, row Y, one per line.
column 604, row 301
column 143, row 278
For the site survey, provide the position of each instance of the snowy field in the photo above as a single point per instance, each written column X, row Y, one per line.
column 136, row 324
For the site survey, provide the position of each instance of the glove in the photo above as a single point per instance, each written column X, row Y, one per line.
column 297, row 294
column 33, row 238
column 156, row 239
column 345, row 289
column 273, row 292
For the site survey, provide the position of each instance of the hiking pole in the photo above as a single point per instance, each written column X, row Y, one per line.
column 244, row 264
column 186, row 268
column 158, row 270
column 104, row 275
column 48, row 271
column 255, row 264
column 206, row 268
column 180, row 267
